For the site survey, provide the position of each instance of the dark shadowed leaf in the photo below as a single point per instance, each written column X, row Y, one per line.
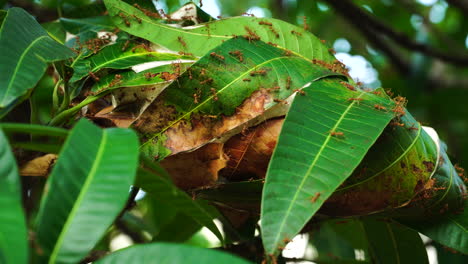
column 13, row 235
column 166, row 192
column 163, row 253
column 26, row 50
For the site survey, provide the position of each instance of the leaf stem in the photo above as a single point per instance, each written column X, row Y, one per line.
column 34, row 129
column 64, row 115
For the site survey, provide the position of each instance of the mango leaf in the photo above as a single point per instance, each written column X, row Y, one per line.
column 201, row 39
column 441, row 212
column 337, row 240
column 166, row 192
column 190, row 14
column 56, row 31
column 391, row 242
column 80, row 25
column 394, row 171
column 87, row 189
column 163, row 253
column 13, row 234
column 119, row 56
column 326, row 134
column 27, row 50
column 147, row 79
column 212, row 95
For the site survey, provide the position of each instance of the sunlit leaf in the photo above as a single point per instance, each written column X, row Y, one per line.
column 235, row 85
column 325, row 135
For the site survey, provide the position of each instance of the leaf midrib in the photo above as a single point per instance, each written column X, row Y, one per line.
column 10, row 84
column 129, row 56
column 84, row 189
column 188, row 113
column 309, row 170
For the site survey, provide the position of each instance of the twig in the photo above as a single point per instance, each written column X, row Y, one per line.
column 356, row 14
column 460, row 4
column 135, row 236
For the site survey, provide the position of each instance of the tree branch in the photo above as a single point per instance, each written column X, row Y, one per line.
column 460, row 4
column 42, row 14
column 356, row 15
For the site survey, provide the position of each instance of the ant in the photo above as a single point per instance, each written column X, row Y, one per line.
column 355, row 99
column 217, row 56
column 379, row 107
column 337, row 134
column 265, row 23
column 315, row 197
column 94, row 76
column 238, row 54
column 288, row 83
column 296, row 33
column 299, row 91
column 182, row 42
column 207, row 81
column 258, row 72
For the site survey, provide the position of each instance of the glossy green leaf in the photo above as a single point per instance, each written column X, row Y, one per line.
column 441, row 212
column 27, row 48
column 56, row 31
column 166, row 192
column 87, row 189
column 310, row 160
column 199, row 40
column 394, row 170
column 190, row 14
column 393, row 243
column 34, row 129
column 163, row 253
column 13, row 232
column 214, row 90
column 118, row 56
column 338, row 240
column 80, row 25
column 145, row 80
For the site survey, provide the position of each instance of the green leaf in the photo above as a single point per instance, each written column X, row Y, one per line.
column 27, row 50
column 163, row 253
column 87, row 189
column 310, row 162
column 118, row 56
column 34, row 129
column 394, row 170
column 81, row 25
column 190, row 14
column 13, row 234
column 56, row 31
column 41, row 100
column 140, row 80
column 391, row 243
column 166, row 192
column 214, row 90
column 199, row 40
column 441, row 213
column 337, row 240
